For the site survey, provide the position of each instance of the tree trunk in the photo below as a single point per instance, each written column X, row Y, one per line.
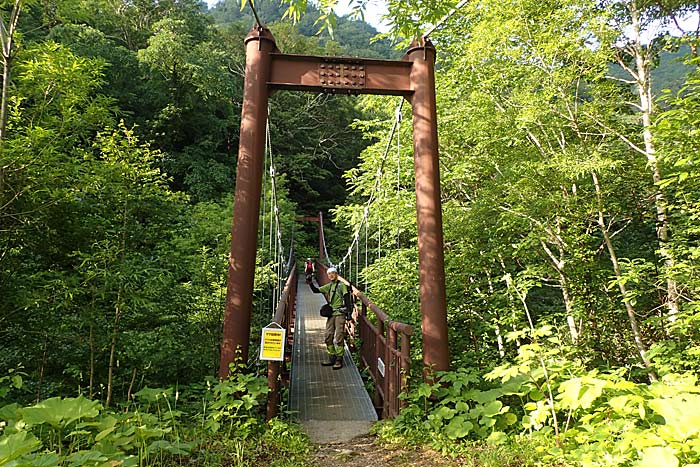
column 559, row 263
column 92, row 360
column 638, row 340
column 117, row 306
column 499, row 338
column 643, row 78
column 7, row 65
column 42, row 367
column 7, row 35
column 113, row 349
column 568, row 306
column 131, row 385
column 515, row 317
column 550, row 393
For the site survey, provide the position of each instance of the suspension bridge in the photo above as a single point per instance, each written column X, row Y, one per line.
column 320, row 398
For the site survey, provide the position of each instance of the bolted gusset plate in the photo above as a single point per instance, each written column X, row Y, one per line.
column 342, row 75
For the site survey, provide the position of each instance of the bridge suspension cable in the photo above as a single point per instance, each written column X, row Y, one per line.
column 323, row 240
column 276, row 248
column 372, row 198
column 444, row 18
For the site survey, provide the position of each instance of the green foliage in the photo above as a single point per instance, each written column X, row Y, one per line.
column 12, row 381
column 113, row 253
column 583, row 417
column 235, row 402
column 153, row 430
column 350, row 34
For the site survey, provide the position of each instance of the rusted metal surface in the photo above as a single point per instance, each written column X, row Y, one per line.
column 344, row 75
column 431, row 260
column 390, row 342
column 277, row 372
column 319, row 395
column 308, row 219
column 321, row 276
column 387, row 344
column 413, row 78
column 244, row 232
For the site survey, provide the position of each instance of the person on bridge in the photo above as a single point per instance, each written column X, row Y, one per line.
column 309, row 269
column 340, row 299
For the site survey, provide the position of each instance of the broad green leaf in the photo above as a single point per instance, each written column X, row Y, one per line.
column 619, row 403
column 59, row 412
column 40, row 460
column 510, row 418
column 177, row 448
column 444, row 412
column 458, row 427
column 492, row 408
column 659, row 456
column 497, row 438
column 482, row 397
column 424, row 390
column 580, row 392
column 9, row 412
column 17, row 381
column 16, row 445
column 80, row 458
column 104, row 433
column 680, row 414
column 487, row 422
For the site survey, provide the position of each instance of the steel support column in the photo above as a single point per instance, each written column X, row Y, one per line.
column 241, row 269
column 431, row 260
column 414, row 78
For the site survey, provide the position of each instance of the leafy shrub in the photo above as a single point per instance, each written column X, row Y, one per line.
column 586, row 418
column 227, row 428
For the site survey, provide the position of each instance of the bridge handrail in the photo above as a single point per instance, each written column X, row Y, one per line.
column 284, row 316
column 388, row 342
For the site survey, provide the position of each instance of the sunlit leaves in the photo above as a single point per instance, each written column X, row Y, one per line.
column 16, row 445
column 59, row 412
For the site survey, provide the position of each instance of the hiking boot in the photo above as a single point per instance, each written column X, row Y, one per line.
column 338, row 364
column 331, row 361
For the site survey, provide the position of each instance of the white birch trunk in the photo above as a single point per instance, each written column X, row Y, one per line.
column 646, row 105
column 638, row 340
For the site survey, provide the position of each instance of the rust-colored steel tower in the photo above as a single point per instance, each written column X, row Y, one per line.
column 413, row 78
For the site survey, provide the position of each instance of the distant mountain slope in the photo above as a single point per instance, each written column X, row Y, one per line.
column 670, row 73
column 353, row 36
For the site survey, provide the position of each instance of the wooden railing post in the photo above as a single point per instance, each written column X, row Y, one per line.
column 283, row 313
column 392, row 371
column 405, row 366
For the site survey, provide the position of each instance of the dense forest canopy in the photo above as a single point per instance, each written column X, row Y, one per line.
column 569, row 154
column 118, row 170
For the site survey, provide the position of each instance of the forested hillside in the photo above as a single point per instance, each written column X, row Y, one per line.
column 570, row 205
column 118, row 169
column 350, row 36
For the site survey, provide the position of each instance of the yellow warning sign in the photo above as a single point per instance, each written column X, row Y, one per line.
column 272, row 344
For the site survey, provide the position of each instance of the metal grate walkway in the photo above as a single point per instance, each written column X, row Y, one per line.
column 332, row 405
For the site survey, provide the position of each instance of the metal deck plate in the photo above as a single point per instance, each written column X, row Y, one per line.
column 317, row 392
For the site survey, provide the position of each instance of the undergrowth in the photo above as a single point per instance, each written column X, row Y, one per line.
column 547, row 409
column 208, row 425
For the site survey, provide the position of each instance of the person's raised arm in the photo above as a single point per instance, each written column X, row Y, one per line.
column 312, row 286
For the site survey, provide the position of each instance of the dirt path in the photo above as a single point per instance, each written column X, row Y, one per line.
column 366, row 451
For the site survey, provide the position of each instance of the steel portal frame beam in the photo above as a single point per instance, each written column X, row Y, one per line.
column 340, row 75
column 413, row 78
